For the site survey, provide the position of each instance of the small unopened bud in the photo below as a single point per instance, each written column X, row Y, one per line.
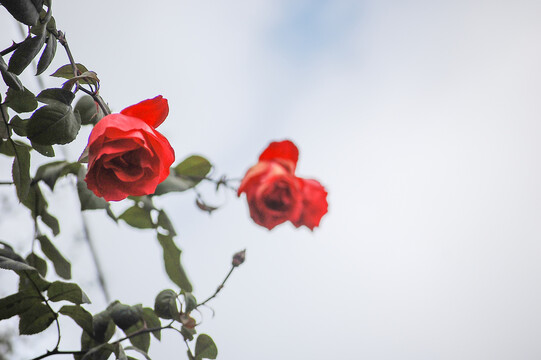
column 239, row 258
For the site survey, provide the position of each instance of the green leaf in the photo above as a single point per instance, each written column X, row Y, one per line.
column 100, row 352
column 165, row 222
column 188, row 333
column 66, row 71
column 18, row 303
column 104, row 327
column 173, row 267
column 50, row 172
column 21, row 171
column 119, row 352
column 89, row 200
column 21, row 101
column 53, row 96
column 53, row 124
column 194, row 168
column 152, row 321
column 18, row 125
column 10, row 79
column 30, row 280
column 138, row 218
column 25, row 11
column 25, row 53
column 47, row 56
column 45, row 150
column 10, row 260
column 191, row 302
column 124, row 316
column 205, row 348
column 137, row 350
column 89, row 110
column 141, row 341
column 38, row 263
column 59, row 291
column 165, row 305
column 82, row 317
column 61, row 266
column 36, row 319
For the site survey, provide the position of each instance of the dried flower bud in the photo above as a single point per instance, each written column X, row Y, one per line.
column 239, row 258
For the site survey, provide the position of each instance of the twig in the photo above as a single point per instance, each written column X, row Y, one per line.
column 220, row 287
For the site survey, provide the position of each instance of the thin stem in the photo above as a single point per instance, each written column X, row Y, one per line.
column 50, row 309
column 6, row 182
column 62, row 40
column 220, row 287
column 10, row 49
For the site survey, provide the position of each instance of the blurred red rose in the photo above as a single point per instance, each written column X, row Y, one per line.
column 275, row 195
column 126, row 155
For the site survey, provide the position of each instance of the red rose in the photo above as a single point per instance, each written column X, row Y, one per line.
column 276, row 195
column 126, row 155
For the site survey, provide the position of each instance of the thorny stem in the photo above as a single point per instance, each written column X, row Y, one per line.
column 10, row 49
column 220, row 287
column 62, row 40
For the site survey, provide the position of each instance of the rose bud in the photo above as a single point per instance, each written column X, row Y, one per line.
column 126, row 155
column 239, row 258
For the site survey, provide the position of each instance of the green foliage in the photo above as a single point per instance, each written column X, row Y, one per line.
column 89, row 112
column 21, row 101
column 173, row 267
column 185, row 175
column 36, row 319
column 25, row 11
column 138, row 217
column 71, row 292
column 61, row 265
column 165, row 305
column 25, row 53
column 53, row 124
column 82, row 317
column 205, row 348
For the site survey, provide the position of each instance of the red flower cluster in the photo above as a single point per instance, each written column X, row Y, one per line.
column 276, row 195
column 126, row 155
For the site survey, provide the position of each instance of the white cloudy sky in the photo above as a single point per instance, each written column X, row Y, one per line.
column 422, row 120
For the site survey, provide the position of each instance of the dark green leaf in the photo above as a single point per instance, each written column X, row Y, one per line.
column 54, row 95
column 21, row 101
column 21, row 171
column 9, row 263
column 89, row 110
column 66, row 71
column 119, row 352
column 47, row 56
column 137, row 350
column 205, row 348
column 191, row 302
column 10, row 79
column 59, row 291
column 173, row 183
column 89, row 200
column 138, row 218
column 124, row 316
column 53, row 124
column 36, row 319
column 50, row 172
column 100, row 352
column 152, row 321
column 6, row 148
column 141, row 341
column 165, row 222
column 4, row 131
column 61, row 266
column 165, row 305
column 18, row 125
column 82, row 317
column 25, row 53
column 173, row 267
column 32, row 281
column 104, row 327
column 18, row 303
column 45, row 150
column 38, row 263
column 25, row 11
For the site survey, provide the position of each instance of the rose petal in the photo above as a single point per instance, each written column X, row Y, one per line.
column 151, row 111
column 284, row 152
column 314, row 204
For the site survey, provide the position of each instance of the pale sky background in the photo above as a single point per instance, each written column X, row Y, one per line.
column 421, row 118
